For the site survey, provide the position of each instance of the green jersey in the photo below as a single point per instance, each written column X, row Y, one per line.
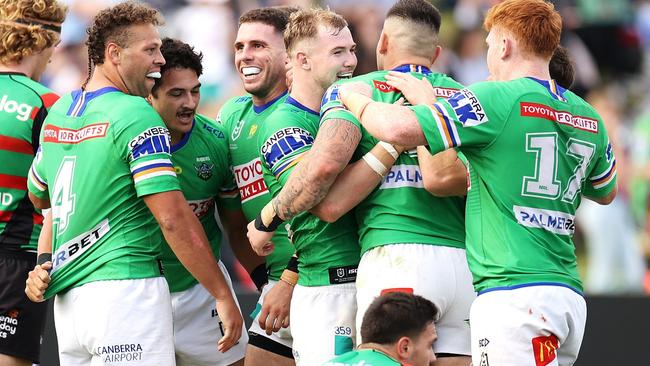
column 100, row 152
column 201, row 163
column 327, row 253
column 400, row 210
column 533, row 148
column 363, row 357
column 24, row 104
column 242, row 120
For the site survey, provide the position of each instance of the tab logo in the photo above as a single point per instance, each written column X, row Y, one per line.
column 11, row 106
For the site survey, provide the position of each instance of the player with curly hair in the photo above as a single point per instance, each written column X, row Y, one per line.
column 105, row 166
column 29, row 32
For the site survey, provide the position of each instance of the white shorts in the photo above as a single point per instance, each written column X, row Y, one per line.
column 437, row 273
column 534, row 325
column 322, row 322
column 197, row 328
column 120, row 322
column 283, row 336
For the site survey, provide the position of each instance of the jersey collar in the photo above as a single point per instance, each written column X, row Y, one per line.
column 184, row 140
column 261, row 108
column 413, row 68
column 556, row 91
column 299, row 105
column 81, row 98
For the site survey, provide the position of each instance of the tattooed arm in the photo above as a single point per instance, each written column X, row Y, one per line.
column 314, row 175
column 309, row 181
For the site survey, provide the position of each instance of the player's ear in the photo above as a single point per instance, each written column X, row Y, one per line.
column 506, row 47
column 436, row 53
column 303, row 60
column 404, row 348
column 382, row 44
column 112, row 53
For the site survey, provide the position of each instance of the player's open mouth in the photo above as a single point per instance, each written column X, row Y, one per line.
column 250, row 72
column 154, row 75
column 344, row 75
column 185, row 116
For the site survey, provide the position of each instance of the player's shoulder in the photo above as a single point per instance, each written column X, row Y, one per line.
column 209, row 127
column 234, row 106
column 35, row 92
column 443, row 80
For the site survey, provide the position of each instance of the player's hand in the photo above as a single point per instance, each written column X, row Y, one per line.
column 260, row 240
column 355, row 87
column 275, row 308
column 416, row 91
column 231, row 321
column 37, row 282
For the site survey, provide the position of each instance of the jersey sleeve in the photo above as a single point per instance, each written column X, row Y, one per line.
column 462, row 119
column 36, row 183
column 144, row 143
column 283, row 143
column 602, row 179
column 332, row 108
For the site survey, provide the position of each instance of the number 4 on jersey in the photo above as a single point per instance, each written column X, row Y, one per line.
column 546, row 183
column 63, row 200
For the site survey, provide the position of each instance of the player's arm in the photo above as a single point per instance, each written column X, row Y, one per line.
column 39, row 278
column 309, row 182
column 395, row 124
column 185, row 235
column 601, row 186
column 356, row 182
column 234, row 224
column 443, row 174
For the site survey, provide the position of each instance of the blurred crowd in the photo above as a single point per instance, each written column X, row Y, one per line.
column 608, row 40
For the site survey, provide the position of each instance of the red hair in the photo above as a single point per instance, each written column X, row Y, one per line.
column 534, row 23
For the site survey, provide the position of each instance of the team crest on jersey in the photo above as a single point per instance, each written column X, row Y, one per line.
column 468, row 109
column 237, row 130
column 203, row 167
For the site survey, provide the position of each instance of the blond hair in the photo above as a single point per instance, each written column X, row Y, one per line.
column 303, row 24
column 28, row 27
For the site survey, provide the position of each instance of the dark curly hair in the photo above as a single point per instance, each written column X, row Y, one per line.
column 111, row 25
column 178, row 54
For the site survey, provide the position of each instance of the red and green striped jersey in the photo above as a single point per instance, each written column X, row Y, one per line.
column 24, row 104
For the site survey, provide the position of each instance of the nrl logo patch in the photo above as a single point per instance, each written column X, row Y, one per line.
column 237, row 130
column 204, row 170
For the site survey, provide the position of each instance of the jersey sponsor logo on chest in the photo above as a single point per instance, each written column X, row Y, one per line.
column 22, row 110
column 74, row 248
column 565, row 118
column 60, row 135
column 249, row 179
column 401, row 176
column 554, row 221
